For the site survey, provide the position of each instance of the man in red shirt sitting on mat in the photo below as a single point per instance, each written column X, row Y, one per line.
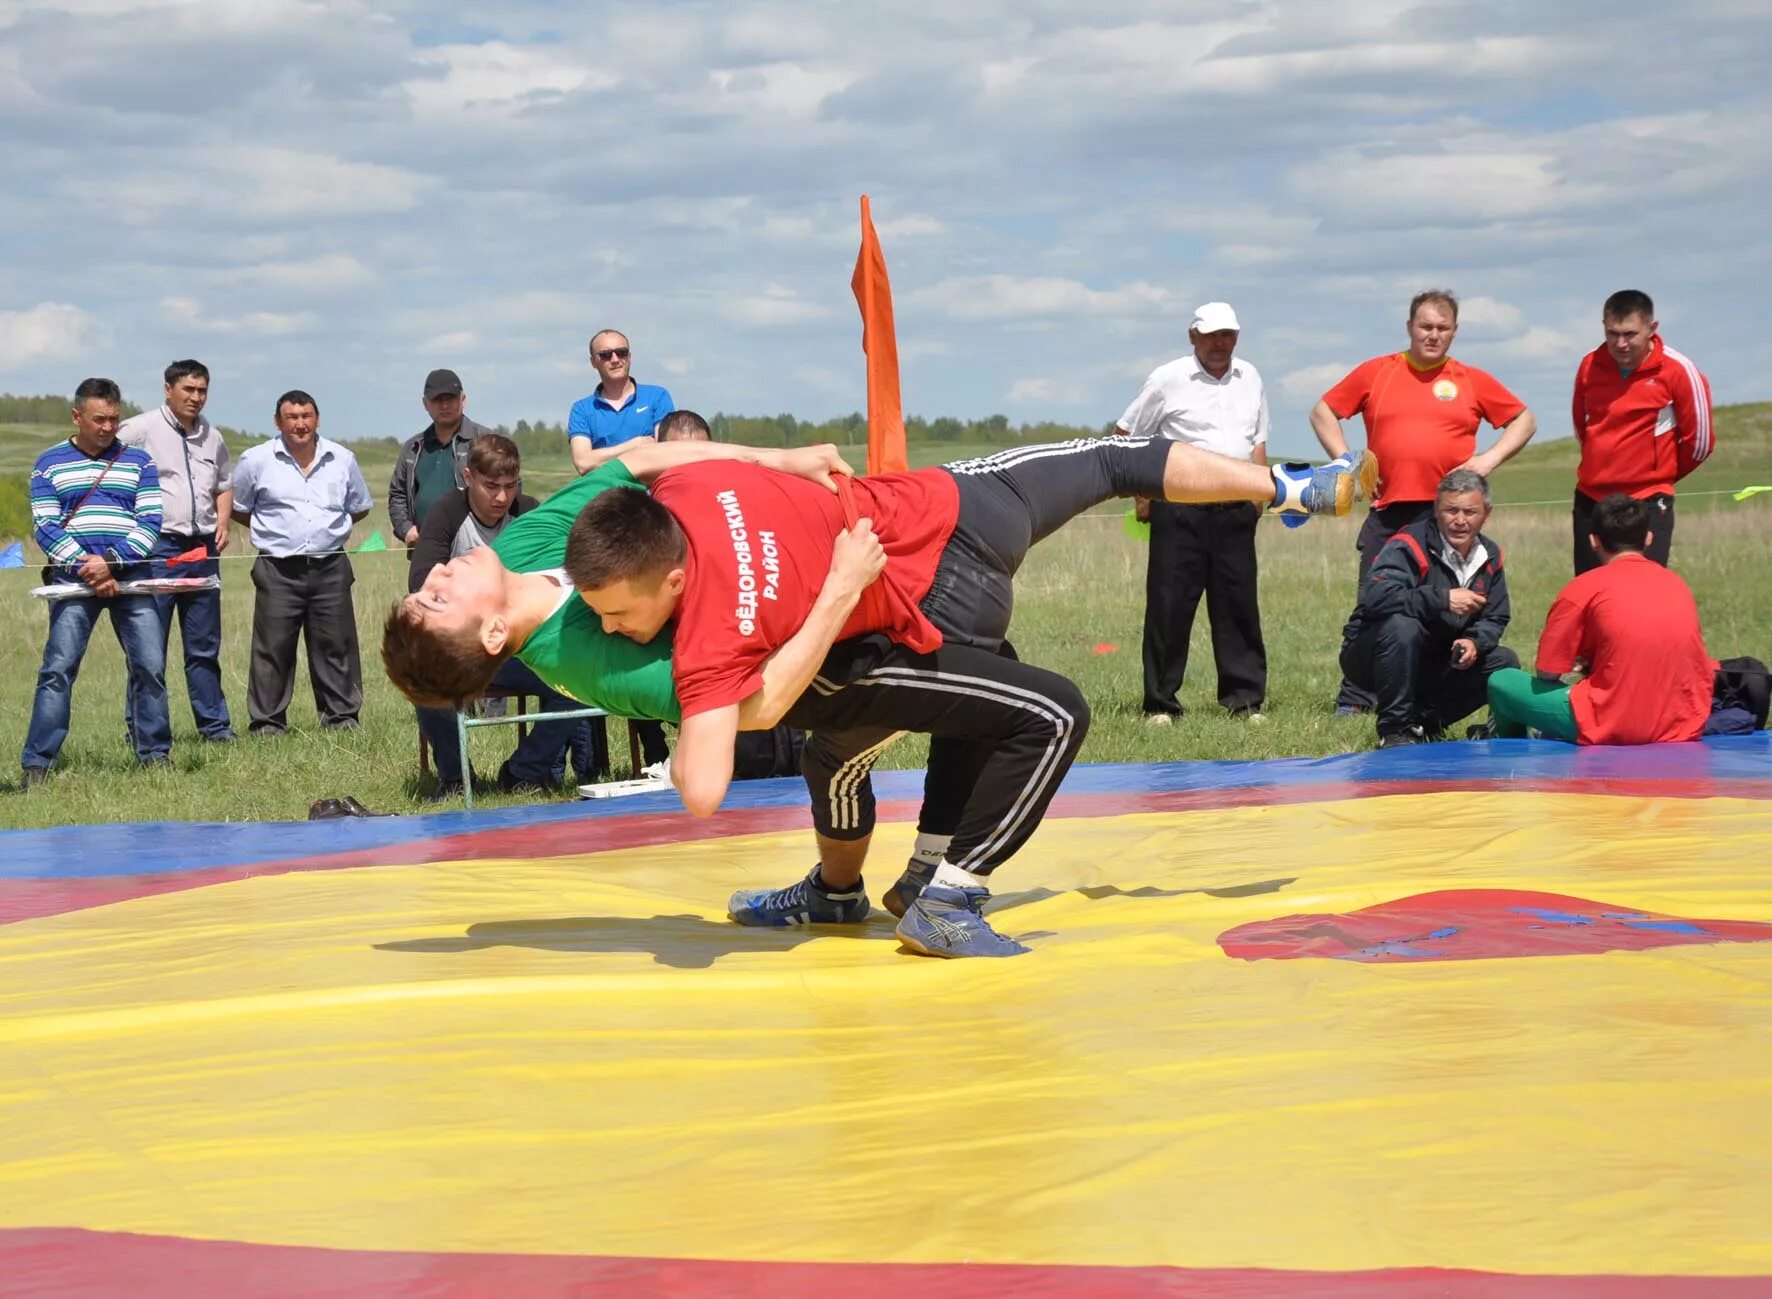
column 1627, row 635
column 734, row 556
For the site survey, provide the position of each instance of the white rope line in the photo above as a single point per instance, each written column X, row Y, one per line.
column 399, row 548
column 1512, row 505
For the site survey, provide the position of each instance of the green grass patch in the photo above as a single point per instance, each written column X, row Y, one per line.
column 1082, row 589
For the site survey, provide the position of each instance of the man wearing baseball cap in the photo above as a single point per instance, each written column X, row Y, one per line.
column 1214, row 400
column 432, row 463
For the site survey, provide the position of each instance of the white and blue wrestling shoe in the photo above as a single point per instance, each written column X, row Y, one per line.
column 946, row 921
column 805, row 902
column 1301, row 490
column 915, row 879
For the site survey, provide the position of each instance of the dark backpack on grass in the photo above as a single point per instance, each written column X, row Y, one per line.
column 1743, row 684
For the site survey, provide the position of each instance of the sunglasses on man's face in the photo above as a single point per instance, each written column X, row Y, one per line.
column 611, row 353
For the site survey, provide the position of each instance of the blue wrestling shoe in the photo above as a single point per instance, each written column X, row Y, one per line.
column 946, row 921
column 915, row 879
column 806, row 902
column 1301, row 490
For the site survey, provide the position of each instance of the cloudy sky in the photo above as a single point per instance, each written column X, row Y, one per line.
column 339, row 196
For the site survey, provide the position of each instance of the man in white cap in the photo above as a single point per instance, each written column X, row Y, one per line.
column 1213, row 400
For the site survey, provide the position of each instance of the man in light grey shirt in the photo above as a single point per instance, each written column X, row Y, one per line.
column 197, row 497
column 301, row 493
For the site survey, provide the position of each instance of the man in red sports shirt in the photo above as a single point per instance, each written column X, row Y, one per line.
column 1642, row 416
column 733, row 560
column 1626, row 633
column 1421, row 409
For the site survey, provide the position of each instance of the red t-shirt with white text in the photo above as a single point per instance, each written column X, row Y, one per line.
column 1649, row 675
column 760, row 545
column 1421, row 424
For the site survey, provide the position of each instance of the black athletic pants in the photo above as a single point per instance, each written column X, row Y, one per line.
column 1009, row 732
column 1408, row 667
column 303, row 596
column 1004, row 732
column 1661, row 530
column 1205, row 550
column 1380, row 526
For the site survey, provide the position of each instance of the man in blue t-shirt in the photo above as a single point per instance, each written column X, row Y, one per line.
column 619, row 411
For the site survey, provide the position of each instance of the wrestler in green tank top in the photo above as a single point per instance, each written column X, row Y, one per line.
column 570, row 651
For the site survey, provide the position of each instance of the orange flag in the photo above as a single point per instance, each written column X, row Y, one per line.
column 879, row 343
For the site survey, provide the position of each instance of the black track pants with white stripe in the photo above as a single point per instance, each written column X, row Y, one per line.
column 1010, row 501
column 1021, row 723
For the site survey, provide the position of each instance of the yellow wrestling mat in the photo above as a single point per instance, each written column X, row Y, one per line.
column 1323, row 1036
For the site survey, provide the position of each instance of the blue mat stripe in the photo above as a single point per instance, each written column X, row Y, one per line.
column 139, row 848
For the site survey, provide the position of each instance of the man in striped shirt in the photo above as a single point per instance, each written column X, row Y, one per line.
column 95, row 510
column 1642, row 417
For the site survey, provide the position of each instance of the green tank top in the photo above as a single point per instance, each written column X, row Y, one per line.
column 570, row 651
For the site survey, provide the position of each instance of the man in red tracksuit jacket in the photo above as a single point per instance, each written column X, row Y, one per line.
column 1642, row 417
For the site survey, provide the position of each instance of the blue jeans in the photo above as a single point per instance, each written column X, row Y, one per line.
column 540, row 758
column 137, row 624
column 200, row 631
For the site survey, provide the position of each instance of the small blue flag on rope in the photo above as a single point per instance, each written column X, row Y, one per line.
column 13, row 556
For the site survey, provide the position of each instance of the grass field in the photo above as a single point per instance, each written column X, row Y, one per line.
column 1079, row 591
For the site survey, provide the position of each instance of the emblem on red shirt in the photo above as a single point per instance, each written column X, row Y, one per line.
column 1445, row 390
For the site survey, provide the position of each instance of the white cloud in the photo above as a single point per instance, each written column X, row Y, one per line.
column 1446, row 189
column 346, row 194
column 189, row 314
column 1541, row 343
column 258, row 182
column 775, row 304
column 1303, row 386
column 1466, row 60
column 1486, row 317
column 496, row 76
column 313, row 276
column 456, row 342
column 780, row 89
column 913, row 225
column 1010, row 297
column 1249, row 256
column 47, row 332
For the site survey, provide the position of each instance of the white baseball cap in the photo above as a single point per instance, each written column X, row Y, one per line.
column 1210, row 317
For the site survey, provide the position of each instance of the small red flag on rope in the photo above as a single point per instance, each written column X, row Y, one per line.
column 195, row 555
column 879, row 343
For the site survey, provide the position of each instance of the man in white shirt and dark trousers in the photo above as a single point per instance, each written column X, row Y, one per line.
column 1209, row 399
column 301, row 493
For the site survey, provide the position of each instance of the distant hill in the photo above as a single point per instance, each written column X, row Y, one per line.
column 1545, row 471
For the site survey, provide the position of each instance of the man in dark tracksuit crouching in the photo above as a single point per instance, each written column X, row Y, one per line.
column 1426, row 634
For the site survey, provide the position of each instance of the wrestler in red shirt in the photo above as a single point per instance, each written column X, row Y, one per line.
column 1629, row 630
column 737, row 561
column 1642, row 415
column 748, row 587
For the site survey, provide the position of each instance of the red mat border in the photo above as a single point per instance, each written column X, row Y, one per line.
column 73, row 1262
